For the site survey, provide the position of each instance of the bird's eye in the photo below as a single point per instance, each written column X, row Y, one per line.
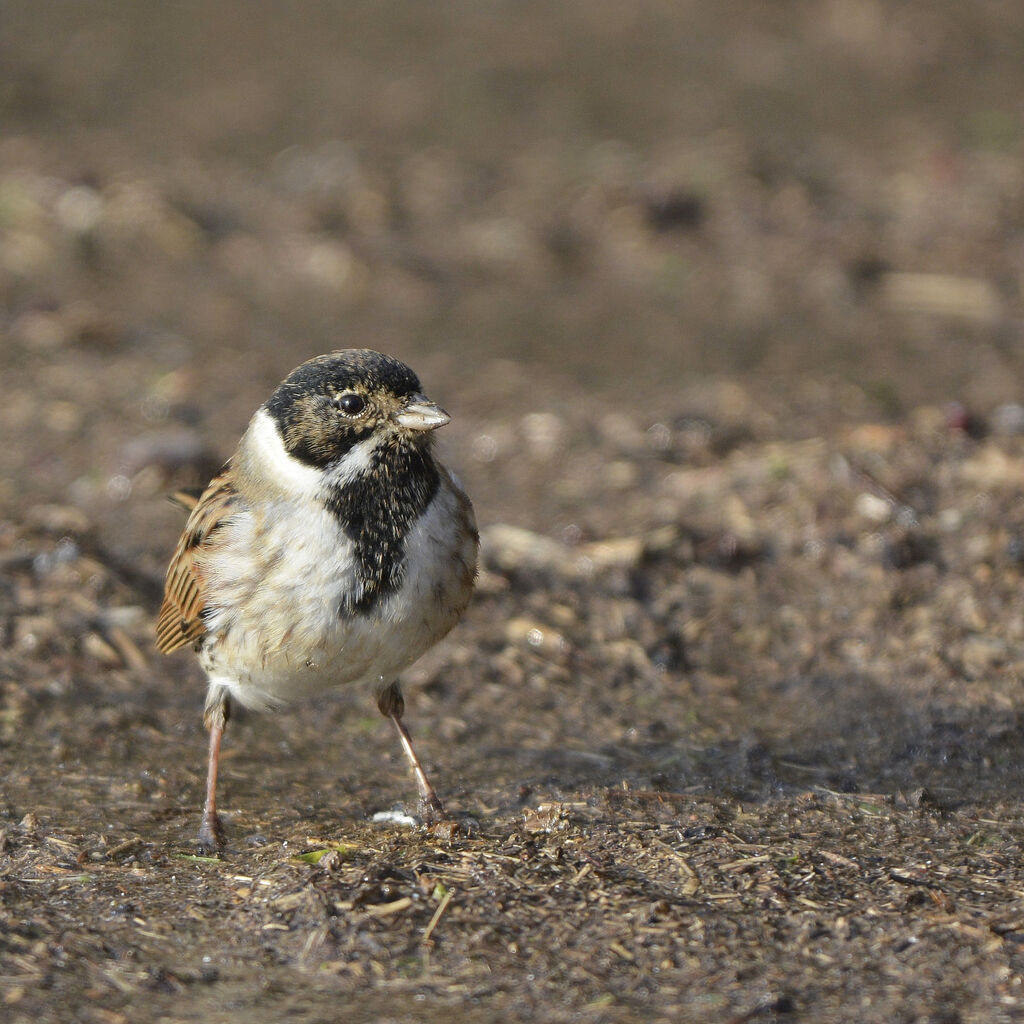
column 350, row 403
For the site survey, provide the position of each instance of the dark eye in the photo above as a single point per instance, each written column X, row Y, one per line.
column 350, row 403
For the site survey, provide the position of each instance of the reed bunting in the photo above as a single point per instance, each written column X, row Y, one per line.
column 332, row 549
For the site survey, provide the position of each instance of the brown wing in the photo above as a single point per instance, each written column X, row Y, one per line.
column 180, row 621
column 187, row 498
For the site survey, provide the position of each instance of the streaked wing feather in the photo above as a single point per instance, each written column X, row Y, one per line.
column 181, row 615
column 187, row 498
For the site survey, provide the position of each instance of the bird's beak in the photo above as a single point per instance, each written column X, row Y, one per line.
column 419, row 413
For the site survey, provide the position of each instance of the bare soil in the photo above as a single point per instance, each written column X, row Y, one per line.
column 726, row 304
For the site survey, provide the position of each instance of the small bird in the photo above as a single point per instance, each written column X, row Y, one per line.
column 332, row 549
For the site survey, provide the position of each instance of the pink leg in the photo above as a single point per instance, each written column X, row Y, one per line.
column 392, row 705
column 211, row 832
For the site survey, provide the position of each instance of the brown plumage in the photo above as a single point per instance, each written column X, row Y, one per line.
column 181, row 615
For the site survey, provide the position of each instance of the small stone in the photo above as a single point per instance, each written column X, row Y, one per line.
column 512, row 548
column 96, row 647
column 1008, row 419
column 79, row 209
column 545, row 433
column 58, row 518
column 33, row 631
column 536, row 635
column 981, row 653
column 874, row 508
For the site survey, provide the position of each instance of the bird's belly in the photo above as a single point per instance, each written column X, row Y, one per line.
column 288, row 634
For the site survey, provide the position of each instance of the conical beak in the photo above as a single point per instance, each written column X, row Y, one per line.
column 421, row 414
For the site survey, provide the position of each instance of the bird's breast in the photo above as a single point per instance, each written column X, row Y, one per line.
column 307, row 601
column 377, row 511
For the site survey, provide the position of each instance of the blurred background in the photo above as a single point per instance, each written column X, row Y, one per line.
column 797, row 213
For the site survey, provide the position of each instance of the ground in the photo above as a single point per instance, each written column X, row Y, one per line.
column 726, row 306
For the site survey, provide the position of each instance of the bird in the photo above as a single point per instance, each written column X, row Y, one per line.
column 332, row 549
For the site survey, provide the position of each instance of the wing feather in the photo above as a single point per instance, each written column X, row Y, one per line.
column 180, row 621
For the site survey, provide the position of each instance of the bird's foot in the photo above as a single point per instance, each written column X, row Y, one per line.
column 432, row 810
column 211, row 836
column 438, row 822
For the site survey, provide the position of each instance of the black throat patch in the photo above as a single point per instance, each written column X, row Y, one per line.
column 376, row 510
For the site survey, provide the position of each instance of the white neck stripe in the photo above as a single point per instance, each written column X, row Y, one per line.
column 264, row 449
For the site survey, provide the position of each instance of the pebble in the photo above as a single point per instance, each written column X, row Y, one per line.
column 1008, row 419
column 535, row 634
column 980, row 653
column 514, row 549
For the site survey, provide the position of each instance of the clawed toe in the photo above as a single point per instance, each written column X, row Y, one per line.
column 211, row 836
column 431, row 810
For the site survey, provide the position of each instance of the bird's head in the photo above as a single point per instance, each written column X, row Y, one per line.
column 329, row 405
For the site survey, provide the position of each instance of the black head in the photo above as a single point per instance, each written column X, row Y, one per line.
column 330, row 403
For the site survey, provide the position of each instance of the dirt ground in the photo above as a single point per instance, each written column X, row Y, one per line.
column 726, row 303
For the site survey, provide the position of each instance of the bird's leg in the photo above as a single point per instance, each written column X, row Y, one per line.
column 211, row 833
column 392, row 705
